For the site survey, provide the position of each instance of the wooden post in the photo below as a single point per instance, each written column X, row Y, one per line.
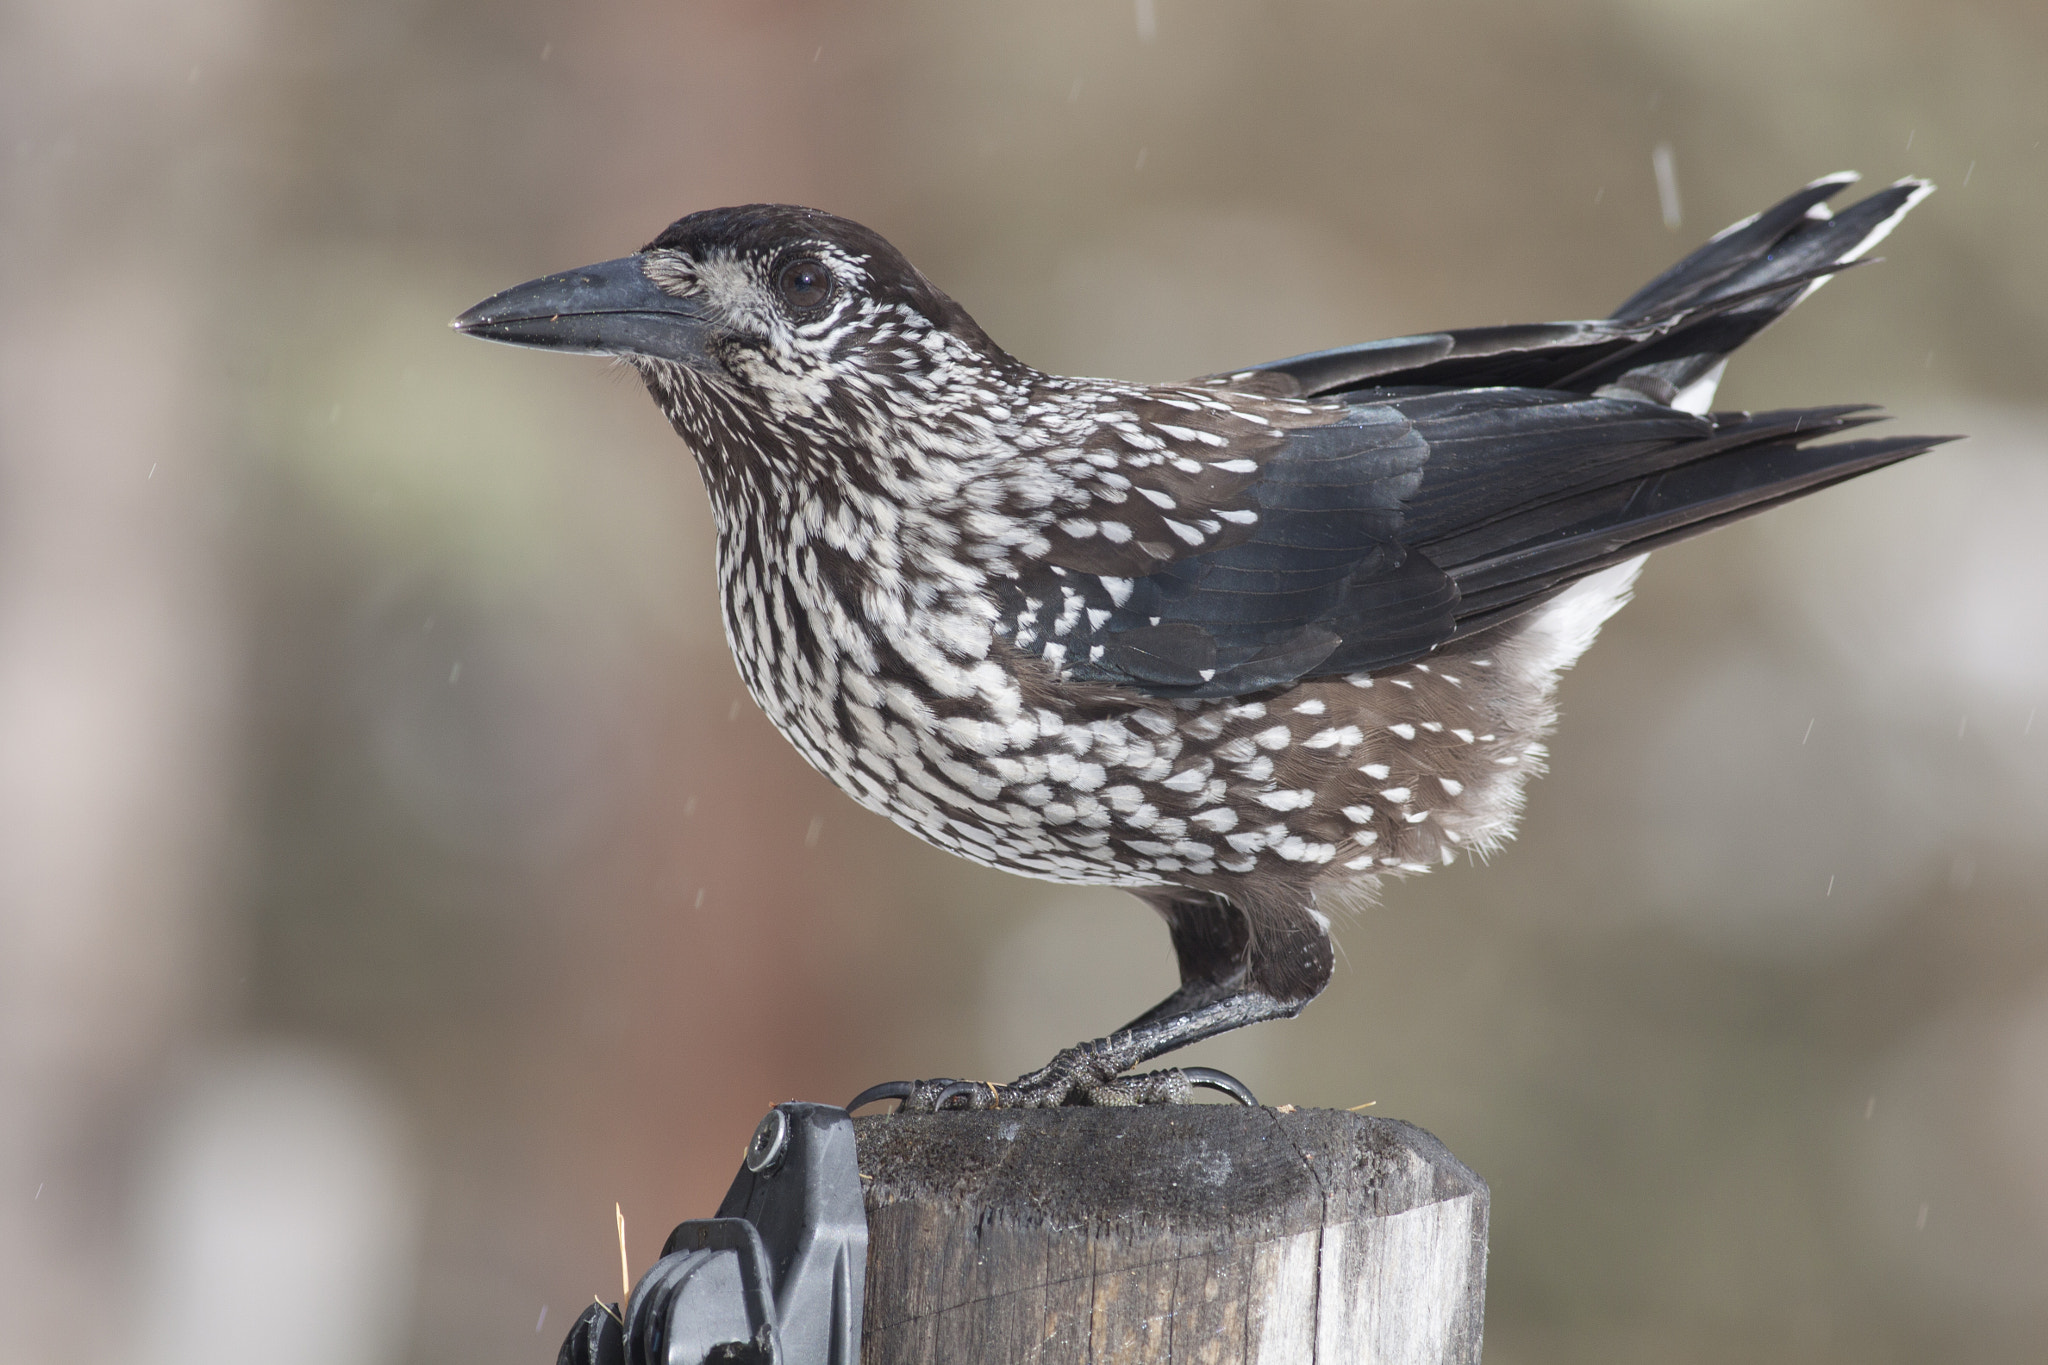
column 1203, row 1233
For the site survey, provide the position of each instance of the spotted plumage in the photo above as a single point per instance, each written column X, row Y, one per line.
column 1236, row 644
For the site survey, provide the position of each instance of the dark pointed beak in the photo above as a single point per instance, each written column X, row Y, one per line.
column 606, row 309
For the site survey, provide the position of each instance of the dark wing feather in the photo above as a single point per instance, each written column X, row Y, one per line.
column 1406, row 523
column 1758, row 468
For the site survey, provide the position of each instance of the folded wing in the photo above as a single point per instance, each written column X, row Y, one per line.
column 1458, row 478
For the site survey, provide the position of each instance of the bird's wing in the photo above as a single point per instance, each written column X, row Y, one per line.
column 1355, row 509
column 1386, row 528
column 1307, row 545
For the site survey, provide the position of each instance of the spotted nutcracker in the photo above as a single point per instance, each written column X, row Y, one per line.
column 1242, row 645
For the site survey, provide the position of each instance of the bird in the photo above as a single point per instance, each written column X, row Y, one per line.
column 1245, row 646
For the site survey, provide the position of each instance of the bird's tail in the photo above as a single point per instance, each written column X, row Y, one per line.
column 1668, row 342
column 1746, row 277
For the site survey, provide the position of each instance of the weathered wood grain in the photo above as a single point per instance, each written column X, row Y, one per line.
column 1205, row 1234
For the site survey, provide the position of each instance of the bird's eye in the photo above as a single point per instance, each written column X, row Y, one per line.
column 804, row 283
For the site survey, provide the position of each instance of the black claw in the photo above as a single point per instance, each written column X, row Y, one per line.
column 1209, row 1078
column 887, row 1090
column 966, row 1090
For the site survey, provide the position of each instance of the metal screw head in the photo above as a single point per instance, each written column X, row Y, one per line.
column 771, row 1140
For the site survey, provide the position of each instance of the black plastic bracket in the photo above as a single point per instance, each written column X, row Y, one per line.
column 775, row 1279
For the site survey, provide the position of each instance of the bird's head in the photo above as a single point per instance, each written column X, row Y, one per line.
column 766, row 320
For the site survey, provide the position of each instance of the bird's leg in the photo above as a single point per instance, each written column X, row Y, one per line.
column 1240, row 964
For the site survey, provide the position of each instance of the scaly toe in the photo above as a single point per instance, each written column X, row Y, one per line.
column 1073, row 1078
column 1175, row 1086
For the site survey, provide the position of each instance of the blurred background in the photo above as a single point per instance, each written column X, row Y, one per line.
column 393, row 874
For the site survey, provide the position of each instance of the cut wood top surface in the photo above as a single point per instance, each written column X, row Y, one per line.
column 1198, row 1167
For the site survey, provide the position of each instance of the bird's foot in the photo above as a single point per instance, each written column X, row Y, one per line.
column 1084, row 1075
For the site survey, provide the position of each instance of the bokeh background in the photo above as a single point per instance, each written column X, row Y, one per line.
column 393, row 874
